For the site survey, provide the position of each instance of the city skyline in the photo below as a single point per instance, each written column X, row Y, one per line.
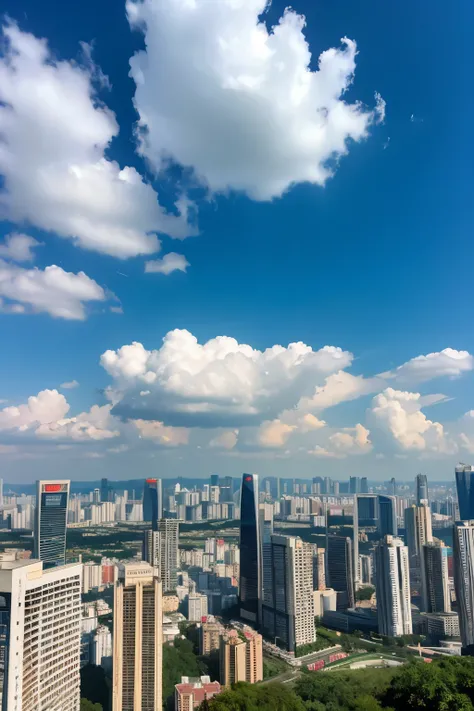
column 300, row 324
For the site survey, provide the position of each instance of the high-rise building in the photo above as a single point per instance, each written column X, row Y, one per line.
column 463, row 564
column 418, row 531
column 388, row 516
column 364, row 485
column 192, row 692
column 40, row 636
column 421, row 489
column 365, row 564
column 327, row 485
column 214, row 481
column 152, row 502
column 101, row 647
column 106, row 492
column 465, row 488
column 368, row 509
column 319, row 568
column 96, row 496
column 197, row 607
column 354, row 485
column 393, row 487
column 210, row 637
column 169, row 555
column 240, row 657
column 393, row 587
column 250, row 566
column 225, row 484
column 340, row 576
column 290, row 616
column 137, row 639
column 265, row 522
column 434, row 577
column 51, row 521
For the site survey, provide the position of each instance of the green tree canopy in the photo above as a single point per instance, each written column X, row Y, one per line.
column 87, row 705
column 255, row 697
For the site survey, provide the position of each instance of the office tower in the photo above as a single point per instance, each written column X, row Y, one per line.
column 152, row 502
column 250, row 569
column 336, row 488
column 210, row 637
column 388, row 516
column 169, row 555
column 40, row 636
column 214, row 493
column 354, row 485
column 421, row 483
column 51, row 521
column 197, row 607
column 319, row 568
column 226, row 489
column 101, row 647
column 417, row 531
column 355, row 540
column 1, row 492
column 393, row 487
column 137, row 639
column 265, row 522
column 214, row 481
column 434, row 577
column 240, row 657
column 339, row 573
column 364, row 485
column 290, row 616
column 327, row 485
column 192, row 692
column 106, row 491
column 463, row 564
column 465, row 488
column 96, row 496
column 365, row 564
column 367, row 509
column 393, row 587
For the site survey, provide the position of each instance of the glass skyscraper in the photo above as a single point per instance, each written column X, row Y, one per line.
column 388, row 516
column 250, row 569
column 465, row 489
column 421, row 488
column 50, row 522
column 152, row 502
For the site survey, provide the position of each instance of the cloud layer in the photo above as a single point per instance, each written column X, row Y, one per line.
column 219, row 92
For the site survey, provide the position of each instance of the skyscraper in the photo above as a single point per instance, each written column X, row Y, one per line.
column 240, row 657
column 393, row 486
column 226, row 492
column 40, row 636
column 152, row 502
column 368, row 509
column 354, row 485
column 265, row 522
column 106, row 492
column 169, row 554
column 340, row 574
column 250, row 569
column 290, row 616
column 434, row 577
column 364, row 485
column 388, row 516
column 465, row 488
column 214, row 481
column 137, row 639
column 393, row 587
column 51, row 521
column 463, row 564
column 421, row 488
column 418, row 531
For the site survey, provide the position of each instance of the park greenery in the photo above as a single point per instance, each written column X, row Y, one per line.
column 87, row 705
column 365, row 593
column 445, row 684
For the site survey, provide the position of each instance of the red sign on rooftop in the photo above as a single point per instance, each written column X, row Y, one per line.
column 151, row 481
column 248, row 478
column 52, row 487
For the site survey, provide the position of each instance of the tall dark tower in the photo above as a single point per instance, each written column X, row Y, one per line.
column 52, row 499
column 152, row 502
column 250, row 569
column 465, row 489
column 421, row 488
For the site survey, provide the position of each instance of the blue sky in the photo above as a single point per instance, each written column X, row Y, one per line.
column 239, row 131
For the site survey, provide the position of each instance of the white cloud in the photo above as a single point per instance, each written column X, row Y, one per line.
column 47, row 406
column 399, row 414
column 92, row 425
column 219, row 383
column 55, row 132
column 120, row 449
column 216, row 91
column 157, row 431
column 352, row 440
column 170, row 263
column 339, row 387
column 52, row 290
column 319, row 451
column 226, row 440
column 448, row 362
column 69, row 385
column 18, row 247
column 274, row 433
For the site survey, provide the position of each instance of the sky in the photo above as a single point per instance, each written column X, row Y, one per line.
column 235, row 237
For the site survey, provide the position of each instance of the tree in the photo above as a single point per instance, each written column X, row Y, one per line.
column 87, row 705
column 178, row 660
column 365, row 593
column 253, row 697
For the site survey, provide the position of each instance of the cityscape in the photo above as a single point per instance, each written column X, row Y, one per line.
column 264, row 580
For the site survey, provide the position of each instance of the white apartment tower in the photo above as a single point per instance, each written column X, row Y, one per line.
column 434, row 577
column 40, row 636
column 393, row 587
column 288, row 609
column 137, row 639
column 160, row 550
column 418, row 531
column 463, row 563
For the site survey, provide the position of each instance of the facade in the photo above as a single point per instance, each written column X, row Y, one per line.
column 51, row 521
column 365, row 564
column 197, row 607
column 169, row 555
column 240, row 657
column 463, row 563
column 210, row 637
column 442, row 624
column 265, row 517
column 339, row 570
column 152, row 502
column 290, row 616
column 465, row 488
column 421, row 489
column 137, row 639
column 319, row 568
column 250, row 565
column 101, row 647
column 393, row 588
column 388, row 516
column 434, row 577
column 40, row 636
column 106, row 492
column 367, row 509
column 191, row 693
column 418, row 531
